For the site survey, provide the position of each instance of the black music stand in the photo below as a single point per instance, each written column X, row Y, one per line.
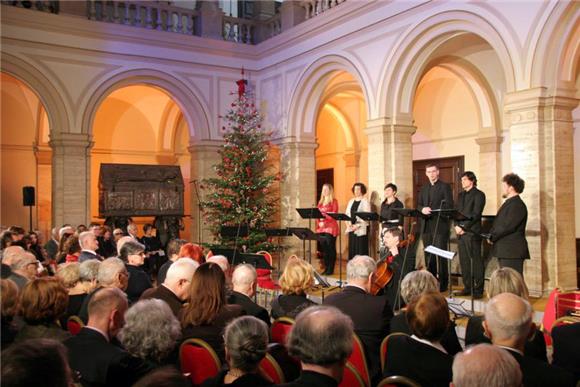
column 368, row 217
column 310, row 213
column 280, row 233
column 230, row 254
column 304, row 234
column 339, row 217
column 256, row 260
column 235, row 232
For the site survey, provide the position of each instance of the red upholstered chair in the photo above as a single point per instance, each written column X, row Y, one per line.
column 384, row 345
column 280, row 329
column 351, row 377
column 74, row 325
column 395, row 380
column 271, row 370
column 198, row 360
column 358, row 360
column 265, row 275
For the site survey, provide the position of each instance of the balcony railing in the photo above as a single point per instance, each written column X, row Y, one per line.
column 316, row 7
column 45, row 6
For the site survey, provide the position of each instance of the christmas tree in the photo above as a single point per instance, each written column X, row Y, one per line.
column 241, row 193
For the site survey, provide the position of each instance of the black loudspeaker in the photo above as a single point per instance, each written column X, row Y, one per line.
column 28, row 196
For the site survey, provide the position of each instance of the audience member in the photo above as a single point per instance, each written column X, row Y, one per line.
column 35, row 246
column 193, row 251
column 508, row 323
column 421, row 356
column 175, row 290
column 413, row 285
column 133, row 253
column 42, row 303
column 244, row 281
column 151, row 332
column 24, row 267
column 296, row 279
column 223, row 263
column 486, row 365
column 89, row 245
column 37, row 362
column 70, row 275
column 133, row 231
column 371, row 315
column 121, row 242
column 64, row 233
column 566, row 345
column 117, row 234
column 207, row 312
column 246, row 344
column 51, row 247
column 153, row 248
column 164, row 377
column 71, row 250
column 322, row 340
column 92, row 353
column 173, row 248
column 507, row 280
column 107, row 244
column 10, row 303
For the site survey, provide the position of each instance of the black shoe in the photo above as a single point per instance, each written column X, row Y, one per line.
column 464, row 292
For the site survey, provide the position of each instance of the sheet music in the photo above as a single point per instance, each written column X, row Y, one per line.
column 440, row 252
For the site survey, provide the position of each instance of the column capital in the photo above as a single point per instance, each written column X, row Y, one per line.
column 539, row 104
column 292, row 142
column 489, row 144
column 74, row 143
column 352, row 159
column 386, row 125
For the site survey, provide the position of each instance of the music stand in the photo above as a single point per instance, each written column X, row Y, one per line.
column 256, row 260
column 280, row 233
column 339, row 217
column 304, row 234
column 310, row 213
column 241, row 230
column 230, row 254
column 368, row 217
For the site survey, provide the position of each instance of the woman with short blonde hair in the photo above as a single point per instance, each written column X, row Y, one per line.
column 295, row 280
column 507, row 280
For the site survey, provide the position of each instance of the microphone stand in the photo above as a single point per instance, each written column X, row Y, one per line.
column 198, row 212
column 238, row 231
column 397, row 305
column 434, row 237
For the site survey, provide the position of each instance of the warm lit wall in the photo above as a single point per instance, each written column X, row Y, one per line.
column 577, row 168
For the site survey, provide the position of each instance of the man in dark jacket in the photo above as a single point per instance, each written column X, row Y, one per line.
column 244, row 281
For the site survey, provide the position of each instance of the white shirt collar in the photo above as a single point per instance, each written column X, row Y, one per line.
column 429, row 343
column 90, row 251
column 98, row 330
column 511, row 349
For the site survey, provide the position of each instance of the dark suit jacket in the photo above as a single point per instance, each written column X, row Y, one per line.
column 471, row 203
column 163, row 293
column 566, row 343
column 311, row 379
column 449, row 341
column 138, row 282
column 474, row 334
column 441, row 191
column 101, row 363
column 51, row 248
column 371, row 316
column 86, row 255
column 247, row 380
column 508, row 232
column 423, row 363
column 249, row 306
column 537, row 373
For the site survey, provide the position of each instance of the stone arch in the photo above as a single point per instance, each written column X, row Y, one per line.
column 413, row 53
column 559, row 39
column 58, row 115
column 194, row 111
column 306, row 97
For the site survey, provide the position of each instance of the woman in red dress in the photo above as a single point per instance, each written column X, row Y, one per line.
column 327, row 228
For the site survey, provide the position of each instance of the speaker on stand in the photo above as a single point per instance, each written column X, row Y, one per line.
column 28, row 200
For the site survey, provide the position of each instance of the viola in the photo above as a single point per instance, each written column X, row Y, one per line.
column 383, row 275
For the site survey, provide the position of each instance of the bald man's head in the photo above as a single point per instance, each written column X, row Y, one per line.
column 486, row 365
column 508, row 318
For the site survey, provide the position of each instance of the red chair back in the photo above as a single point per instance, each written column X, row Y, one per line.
column 280, row 329
column 267, row 255
column 198, row 360
column 270, row 369
column 351, row 377
column 74, row 325
column 384, row 346
column 358, row 360
column 398, row 381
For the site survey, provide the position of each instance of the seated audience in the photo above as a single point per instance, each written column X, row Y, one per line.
column 70, row 275
column 421, row 356
column 42, row 303
column 24, row 267
column 173, row 248
column 506, row 280
column 413, row 285
column 322, row 340
column 371, row 315
column 151, row 332
column 193, row 251
column 133, row 254
column 566, row 345
column 508, row 323
column 107, row 244
column 207, row 313
column 175, row 290
column 10, row 304
column 246, row 342
column 164, row 377
column 296, row 279
column 37, row 362
column 244, row 281
column 485, row 365
column 112, row 274
column 71, row 250
column 89, row 245
column 92, row 353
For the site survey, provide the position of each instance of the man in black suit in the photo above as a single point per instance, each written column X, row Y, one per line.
column 91, row 352
column 508, row 232
column 175, row 290
column 89, row 245
column 244, row 281
column 322, row 339
column 371, row 315
column 566, row 344
column 435, row 228
column 508, row 322
column 470, row 203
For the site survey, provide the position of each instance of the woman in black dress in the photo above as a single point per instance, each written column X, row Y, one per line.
column 358, row 240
